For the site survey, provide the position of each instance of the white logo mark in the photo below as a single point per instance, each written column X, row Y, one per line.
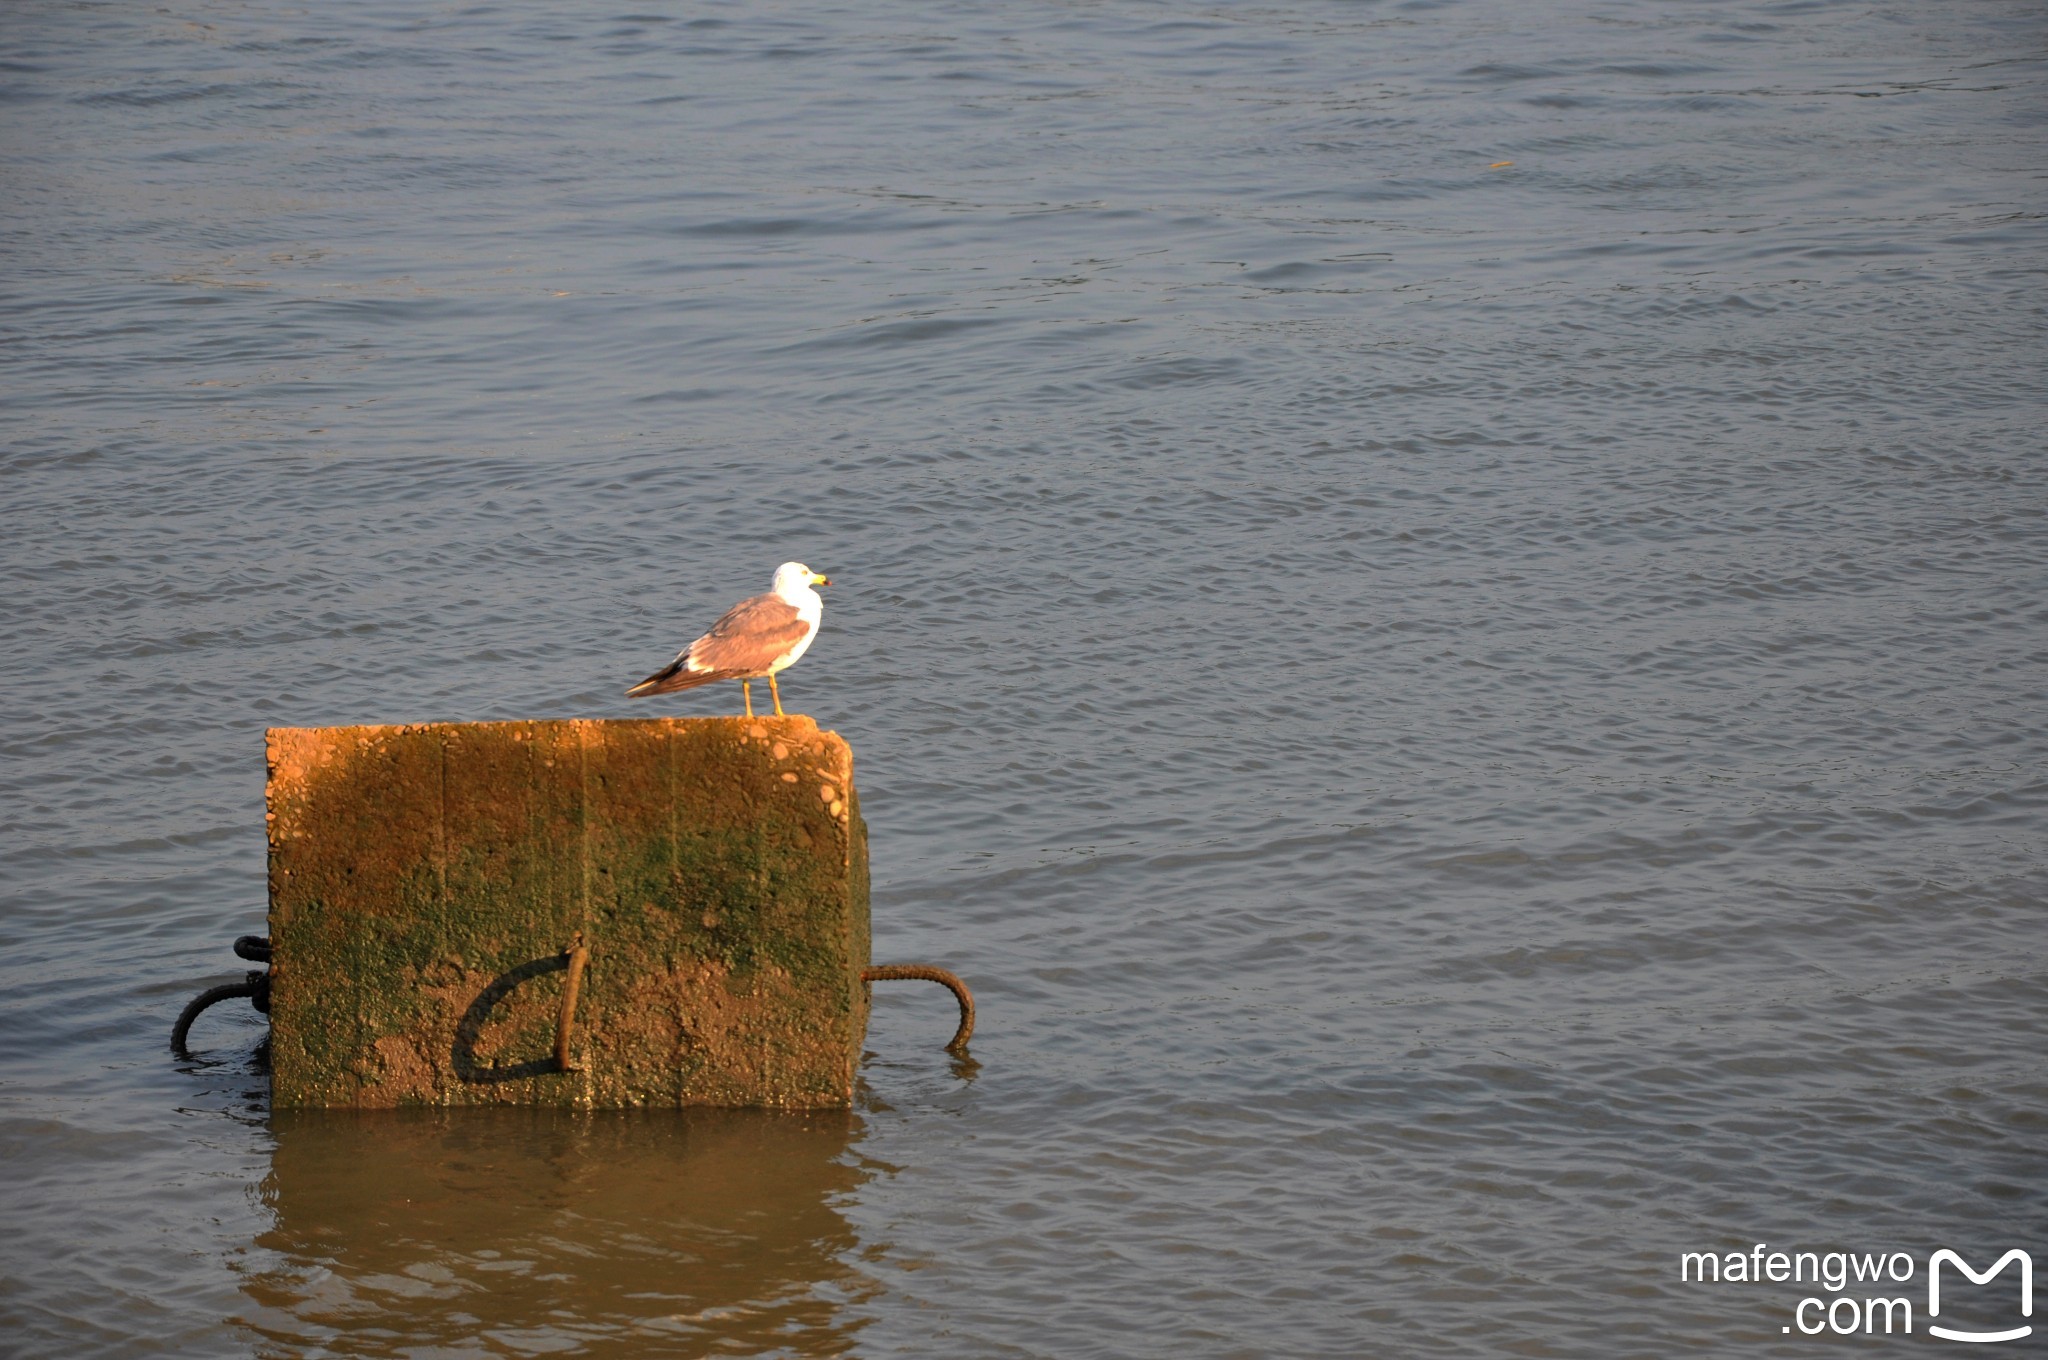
column 1934, row 1293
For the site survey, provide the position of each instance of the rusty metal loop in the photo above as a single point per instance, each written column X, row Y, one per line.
column 255, row 985
column 565, row 1024
column 924, row 972
column 256, row 988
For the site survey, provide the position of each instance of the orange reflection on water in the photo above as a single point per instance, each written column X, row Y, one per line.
column 529, row 1232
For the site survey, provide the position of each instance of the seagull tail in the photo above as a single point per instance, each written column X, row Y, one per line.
column 671, row 678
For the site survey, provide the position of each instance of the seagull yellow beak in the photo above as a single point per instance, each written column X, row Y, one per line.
column 820, row 580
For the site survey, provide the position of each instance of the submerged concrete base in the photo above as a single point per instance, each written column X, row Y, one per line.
column 427, row 883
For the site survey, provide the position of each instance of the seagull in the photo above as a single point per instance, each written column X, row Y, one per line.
column 755, row 638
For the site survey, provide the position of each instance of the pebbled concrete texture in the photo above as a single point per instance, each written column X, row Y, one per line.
column 426, row 881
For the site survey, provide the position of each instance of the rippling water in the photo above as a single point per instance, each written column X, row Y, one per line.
column 1441, row 604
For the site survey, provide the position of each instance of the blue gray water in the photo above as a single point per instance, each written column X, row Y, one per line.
column 1440, row 604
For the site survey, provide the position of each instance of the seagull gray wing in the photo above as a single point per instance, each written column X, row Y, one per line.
column 749, row 638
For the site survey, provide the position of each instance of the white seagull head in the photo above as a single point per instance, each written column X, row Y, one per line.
column 793, row 580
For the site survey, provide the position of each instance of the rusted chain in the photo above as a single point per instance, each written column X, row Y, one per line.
column 924, row 972
column 565, row 1026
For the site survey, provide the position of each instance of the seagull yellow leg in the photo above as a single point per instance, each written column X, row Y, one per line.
column 747, row 693
column 778, row 697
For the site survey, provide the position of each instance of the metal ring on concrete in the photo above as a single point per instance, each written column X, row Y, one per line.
column 573, row 958
column 255, row 986
column 257, row 989
column 924, row 972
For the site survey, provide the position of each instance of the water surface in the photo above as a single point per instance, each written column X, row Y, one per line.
column 1439, row 603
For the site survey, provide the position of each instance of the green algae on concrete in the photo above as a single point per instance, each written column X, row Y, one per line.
column 426, row 882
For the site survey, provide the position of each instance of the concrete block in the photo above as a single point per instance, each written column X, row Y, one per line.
column 428, row 881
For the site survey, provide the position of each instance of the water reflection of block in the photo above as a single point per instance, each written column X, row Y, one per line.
column 426, row 881
column 430, row 1232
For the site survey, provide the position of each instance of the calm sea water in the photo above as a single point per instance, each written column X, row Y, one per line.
column 1440, row 604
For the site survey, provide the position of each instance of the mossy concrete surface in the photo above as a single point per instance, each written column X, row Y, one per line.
column 426, row 882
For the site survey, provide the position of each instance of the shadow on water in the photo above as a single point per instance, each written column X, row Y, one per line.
column 525, row 1231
